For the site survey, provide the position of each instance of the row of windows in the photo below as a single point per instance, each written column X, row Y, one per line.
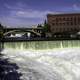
column 66, row 23
column 65, row 29
column 66, row 19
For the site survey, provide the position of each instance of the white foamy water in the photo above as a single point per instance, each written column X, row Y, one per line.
column 58, row 64
column 45, row 60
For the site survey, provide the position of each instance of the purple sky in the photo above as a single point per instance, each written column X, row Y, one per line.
column 31, row 12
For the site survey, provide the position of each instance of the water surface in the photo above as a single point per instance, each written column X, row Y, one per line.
column 45, row 60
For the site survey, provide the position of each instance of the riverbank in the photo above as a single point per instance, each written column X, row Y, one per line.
column 36, row 39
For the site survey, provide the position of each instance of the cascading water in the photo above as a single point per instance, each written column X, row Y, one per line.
column 46, row 60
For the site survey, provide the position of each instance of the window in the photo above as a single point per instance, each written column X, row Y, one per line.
column 71, row 23
column 53, row 24
column 71, row 18
column 60, row 23
column 67, row 19
column 56, row 23
column 74, row 20
column 71, row 29
column 78, row 20
column 67, row 23
column 57, row 19
column 63, row 23
column 53, row 20
column 63, row 19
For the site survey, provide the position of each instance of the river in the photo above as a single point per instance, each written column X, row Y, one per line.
column 45, row 60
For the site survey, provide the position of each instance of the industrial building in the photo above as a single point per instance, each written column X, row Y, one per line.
column 64, row 23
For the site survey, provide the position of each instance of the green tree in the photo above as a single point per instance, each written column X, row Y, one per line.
column 1, row 26
column 1, row 31
column 46, row 27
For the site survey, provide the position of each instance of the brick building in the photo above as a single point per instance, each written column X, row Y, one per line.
column 60, row 23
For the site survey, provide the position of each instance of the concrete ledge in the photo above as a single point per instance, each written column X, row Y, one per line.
column 36, row 39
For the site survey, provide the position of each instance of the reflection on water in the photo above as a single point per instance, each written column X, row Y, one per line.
column 45, row 60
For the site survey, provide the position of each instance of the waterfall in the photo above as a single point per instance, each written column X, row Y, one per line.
column 45, row 60
column 42, row 45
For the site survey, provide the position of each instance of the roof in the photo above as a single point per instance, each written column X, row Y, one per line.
column 62, row 14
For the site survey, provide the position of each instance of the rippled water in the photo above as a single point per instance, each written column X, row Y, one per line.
column 50, row 63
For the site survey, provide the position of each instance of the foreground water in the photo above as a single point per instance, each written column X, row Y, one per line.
column 47, row 60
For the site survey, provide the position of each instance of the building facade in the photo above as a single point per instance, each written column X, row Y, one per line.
column 60, row 23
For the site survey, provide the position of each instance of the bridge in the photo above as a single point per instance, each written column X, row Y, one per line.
column 33, row 34
column 13, row 31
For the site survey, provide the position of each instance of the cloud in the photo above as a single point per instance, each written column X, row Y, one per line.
column 32, row 14
column 16, row 6
column 11, row 21
column 76, row 7
column 22, row 15
column 23, row 11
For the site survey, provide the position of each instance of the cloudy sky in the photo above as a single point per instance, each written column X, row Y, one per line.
column 31, row 12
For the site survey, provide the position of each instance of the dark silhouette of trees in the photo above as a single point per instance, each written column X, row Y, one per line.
column 1, row 31
column 1, row 26
column 46, row 27
column 39, row 26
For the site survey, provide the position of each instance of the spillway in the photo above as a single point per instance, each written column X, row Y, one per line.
column 42, row 45
column 45, row 60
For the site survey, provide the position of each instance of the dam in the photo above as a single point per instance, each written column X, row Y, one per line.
column 45, row 60
column 43, row 45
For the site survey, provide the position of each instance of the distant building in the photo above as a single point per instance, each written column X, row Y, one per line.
column 60, row 23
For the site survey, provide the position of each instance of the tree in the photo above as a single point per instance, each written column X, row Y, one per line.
column 39, row 26
column 1, row 30
column 46, row 27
